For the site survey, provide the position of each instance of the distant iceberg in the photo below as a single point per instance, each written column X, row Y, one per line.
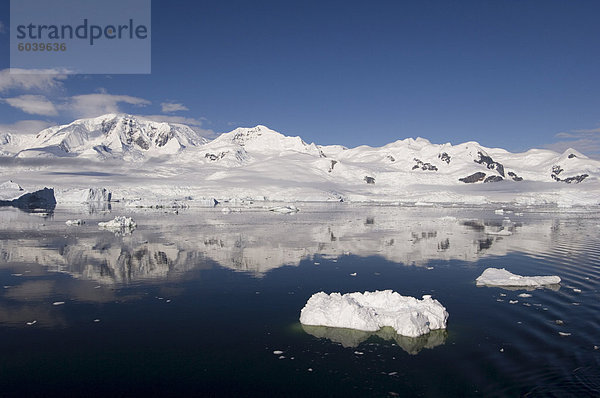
column 119, row 224
column 84, row 195
column 502, row 277
column 371, row 311
column 285, row 209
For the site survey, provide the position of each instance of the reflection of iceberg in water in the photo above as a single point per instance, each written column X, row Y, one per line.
column 257, row 241
column 353, row 338
column 554, row 288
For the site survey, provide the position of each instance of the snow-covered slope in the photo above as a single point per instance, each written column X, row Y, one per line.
column 137, row 158
column 112, row 136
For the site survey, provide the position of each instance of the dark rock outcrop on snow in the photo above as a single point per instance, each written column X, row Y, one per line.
column 575, row 179
column 333, row 163
column 213, row 157
column 490, row 164
column 369, row 180
column 493, row 179
column 424, row 166
column 444, row 157
column 556, row 170
column 475, row 177
column 514, row 176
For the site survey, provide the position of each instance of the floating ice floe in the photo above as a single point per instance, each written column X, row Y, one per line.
column 285, row 209
column 371, row 311
column 502, row 277
column 119, row 223
column 500, row 232
column 74, row 222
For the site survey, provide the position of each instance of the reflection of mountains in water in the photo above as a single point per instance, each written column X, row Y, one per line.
column 353, row 338
column 257, row 241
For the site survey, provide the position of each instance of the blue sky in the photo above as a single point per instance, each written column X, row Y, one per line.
column 511, row 74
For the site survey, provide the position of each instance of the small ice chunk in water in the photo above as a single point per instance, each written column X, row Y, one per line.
column 524, row 295
column 118, row 223
column 277, row 352
column 577, row 290
column 502, row 277
column 353, row 274
column 564, row 334
column 359, row 353
column 58, row 303
column 513, row 301
column 285, row 209
column 74, row 222
column 31, row 323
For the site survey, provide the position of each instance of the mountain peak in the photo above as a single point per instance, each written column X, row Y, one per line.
column 113, row 135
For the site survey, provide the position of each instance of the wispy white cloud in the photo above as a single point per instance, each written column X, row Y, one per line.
column 85, row 105
column 190, row 121
column 25, row 127
column 195, row 124
column 579, row 133
column 91, row 105
column 168, row 107
column 586, row 141
column 32, row 104
column 41, row 102
column 22, row 79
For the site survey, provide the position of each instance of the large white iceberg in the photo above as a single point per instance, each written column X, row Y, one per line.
column 371, row 311
column 502, row 277
column 11, row 194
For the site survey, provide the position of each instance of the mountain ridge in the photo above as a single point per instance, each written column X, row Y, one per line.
column 260, row 162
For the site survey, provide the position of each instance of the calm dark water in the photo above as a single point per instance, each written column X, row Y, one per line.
column 196, row 303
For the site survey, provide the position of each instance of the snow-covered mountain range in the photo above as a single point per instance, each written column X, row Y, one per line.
column 138, row 158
